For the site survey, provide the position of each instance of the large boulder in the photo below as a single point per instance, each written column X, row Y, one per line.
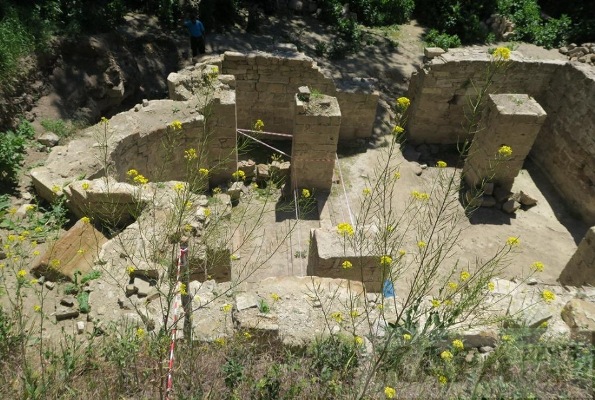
column 579, row 315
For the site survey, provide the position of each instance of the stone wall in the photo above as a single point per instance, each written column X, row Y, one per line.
column 580, row 270
column 315, row 136
column 266, row 85
column 565, row 146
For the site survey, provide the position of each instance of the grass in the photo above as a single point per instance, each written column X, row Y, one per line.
column 60, row 127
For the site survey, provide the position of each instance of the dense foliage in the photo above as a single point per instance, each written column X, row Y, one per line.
column 12, row 151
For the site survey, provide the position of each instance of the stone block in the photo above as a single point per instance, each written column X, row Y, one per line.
column 579, row 315
column 72, row 252
column 66, row 313
column 580, row 269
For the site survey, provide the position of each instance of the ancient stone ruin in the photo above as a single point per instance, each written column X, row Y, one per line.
column 541, row 109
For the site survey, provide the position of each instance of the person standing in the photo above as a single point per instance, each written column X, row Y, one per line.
column 197, row 35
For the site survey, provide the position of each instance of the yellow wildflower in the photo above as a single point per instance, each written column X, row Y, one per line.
column 188, row 205
column 501, row 53
column 33, row 281
column 441, row 164
column 226, row 308
column 544, row 324
column 130, row 269
column 507, row 338
column 37, row 308
column 465, row 276
column 443, row 380
column 446, row 356
column 537, row 266
column 453, row 286
column 56, row 189
column 190, row 154
column 247, row 335
column 2, row 265
column 406, row 337
column 21, row 238
column 21, row 273
column 385, row 260
column 390, row 228
column 38, row 229
column 513, row 241
column 140, row 333
column 203, row 171
column 346, row 264
column 239, row 175
column 80, row 251
column 397, row 175
column 55, row 263
column 354, row 314
column 104, row 121
column 176, row 125
column 132, row 173
column 366, row 191
column 337, row 316
column 217, row 190
column 207, row 212
column 389, row 392
column 220, row 341
column 436, row 303
column 397, row 130
column 13, row 210
column 85, row 185
column 458, row 344
column 11, row 238
column 380, row 307
column 178, row 187
column 505, row 151
column 183, row 291
column 35, row 252
column 491, row 286
column 359, row 341
column 421, row 244
column 403, row 103
column 258, row 125
column 402, row 252
column 30, row 207
column 548, row 296
column 420, row 195
column 275, row 297
column 345, row 229
column 86, row 220
column 305, row 193
column 140, row 179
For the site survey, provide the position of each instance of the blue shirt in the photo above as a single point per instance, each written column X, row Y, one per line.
column 196, row 28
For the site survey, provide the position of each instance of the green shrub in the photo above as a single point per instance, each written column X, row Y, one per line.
column 15, row 42
column 382, row 12
column 334, row 357
column 443, row 40
column 12, row 151
column 530, row 27
column 59, row 127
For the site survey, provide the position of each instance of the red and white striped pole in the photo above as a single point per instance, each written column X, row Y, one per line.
column 177, row 303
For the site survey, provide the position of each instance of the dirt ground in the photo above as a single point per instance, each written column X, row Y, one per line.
column 548, row 233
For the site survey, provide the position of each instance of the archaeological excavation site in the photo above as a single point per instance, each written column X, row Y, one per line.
column 265, row 195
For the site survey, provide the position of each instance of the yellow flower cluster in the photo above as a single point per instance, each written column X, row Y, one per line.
column 175, row 125
column 345, row 229
column 55, row 189
column 55, row 263
column 220, row 341
column 403, row 103
column 226, row 308
column 104, row 121
column 446, row 356
column 397, row 130
column 190, row 154
column 421, row 244
column 443, row 380
column 505, row 151
column 86, row 220
column 305, row 193
column 359, row 341
column 513, row 241
column 390, row 392
column 140, row 333
column 183, row 290
column 441, row 164
column 347, row 264
column 385, row 260
column 397, row 175
column 259, row 125
column 21, row 273
column 406, row 337
column 337, row 316
column 465, row 276
column 537, row 266
column 86, row 186
column 491, row 286
column 458, row 344
column 502, row 53
column 136, row 177
column 213, row 73
column 548, row 296
column 130, row 269
column 420, row 195
column 275, row 297
column 247, row 335
column 366, row 191
column 239, row 175
column 402, row 252
column 178, row 187
column 37, row 308
column 453, row 286
column 435, row 303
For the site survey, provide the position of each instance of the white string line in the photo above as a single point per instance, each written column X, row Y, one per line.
column 287, row 135
column 344, row 190
column 261, row 142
